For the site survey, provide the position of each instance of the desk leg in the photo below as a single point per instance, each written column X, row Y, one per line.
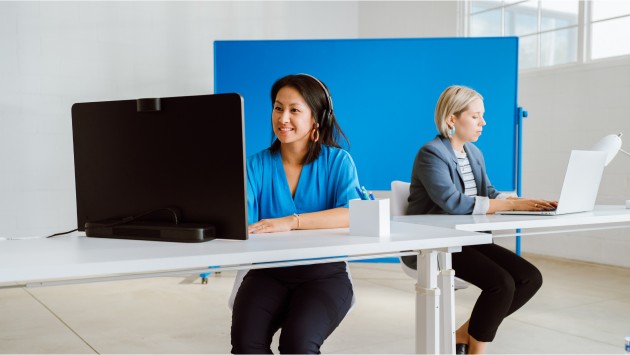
column 427, row 304
column 446, row 284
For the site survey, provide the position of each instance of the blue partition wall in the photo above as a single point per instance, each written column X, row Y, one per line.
column 384, row 93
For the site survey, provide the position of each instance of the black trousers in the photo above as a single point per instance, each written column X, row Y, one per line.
column 308, row 302
column 506, row 280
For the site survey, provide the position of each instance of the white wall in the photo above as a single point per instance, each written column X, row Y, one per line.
column 573, row 108
column 383, row 19
column 53, row 54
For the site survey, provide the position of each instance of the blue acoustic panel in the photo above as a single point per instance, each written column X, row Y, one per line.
column 384, row 93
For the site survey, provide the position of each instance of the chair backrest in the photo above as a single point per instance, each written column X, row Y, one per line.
column 400, row 194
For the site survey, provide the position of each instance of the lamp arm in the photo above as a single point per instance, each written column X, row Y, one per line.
column 623, row 151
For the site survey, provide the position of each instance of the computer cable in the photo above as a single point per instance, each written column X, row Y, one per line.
column 124, row 221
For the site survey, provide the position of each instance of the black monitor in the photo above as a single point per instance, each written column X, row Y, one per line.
column 186, row 154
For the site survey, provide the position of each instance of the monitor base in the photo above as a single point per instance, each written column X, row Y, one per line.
column 153, row 231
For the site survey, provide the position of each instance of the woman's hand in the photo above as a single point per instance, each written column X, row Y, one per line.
column 531, row 204
column 272, row 225
column 521, row 204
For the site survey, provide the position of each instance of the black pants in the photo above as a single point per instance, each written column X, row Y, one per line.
column 308, row 302
column 506, row 280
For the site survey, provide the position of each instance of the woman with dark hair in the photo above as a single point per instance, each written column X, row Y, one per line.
column 303, row 181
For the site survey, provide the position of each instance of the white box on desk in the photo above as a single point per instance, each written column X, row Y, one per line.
column 369, row 217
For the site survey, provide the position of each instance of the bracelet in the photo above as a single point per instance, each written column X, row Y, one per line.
column 298, row 217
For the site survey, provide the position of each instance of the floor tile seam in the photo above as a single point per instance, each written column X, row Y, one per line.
column 61, row 320
column 464, row 306
column 562, row 332
column 385, row 342
column 561, row 260
column 393, row 288
column 575, row 306
column 601, row 288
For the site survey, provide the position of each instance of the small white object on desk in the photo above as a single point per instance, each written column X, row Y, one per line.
column 628, row 204
column 369, row 217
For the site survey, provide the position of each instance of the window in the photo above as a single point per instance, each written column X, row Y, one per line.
column 547, row 30
column 610, row 29
column 553, row 32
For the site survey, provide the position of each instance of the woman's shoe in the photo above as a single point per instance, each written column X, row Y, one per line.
column 461, row 349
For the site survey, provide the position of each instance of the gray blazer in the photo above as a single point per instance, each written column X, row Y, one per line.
column 437, row 184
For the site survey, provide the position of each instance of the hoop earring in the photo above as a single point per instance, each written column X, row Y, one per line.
column 313, row 134
column 453, row 131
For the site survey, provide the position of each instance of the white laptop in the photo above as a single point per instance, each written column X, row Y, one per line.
column 580, row 187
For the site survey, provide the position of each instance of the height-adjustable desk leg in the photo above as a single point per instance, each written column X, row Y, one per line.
column 446, row 284
column 427, row 304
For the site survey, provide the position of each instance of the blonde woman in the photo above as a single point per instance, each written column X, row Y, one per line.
column 449, row 177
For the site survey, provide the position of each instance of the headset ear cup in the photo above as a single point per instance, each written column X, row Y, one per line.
column 327, row 114
column 327, row 118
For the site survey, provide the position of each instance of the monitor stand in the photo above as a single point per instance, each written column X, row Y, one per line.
column 155, row 231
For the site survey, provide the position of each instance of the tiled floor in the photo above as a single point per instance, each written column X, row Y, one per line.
column 581, row 308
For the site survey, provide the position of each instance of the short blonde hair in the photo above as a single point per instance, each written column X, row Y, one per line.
column 453, row 101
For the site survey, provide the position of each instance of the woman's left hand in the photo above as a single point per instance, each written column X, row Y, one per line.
column 273, row 225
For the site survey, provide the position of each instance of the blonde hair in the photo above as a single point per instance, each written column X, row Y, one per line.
column 453, row 101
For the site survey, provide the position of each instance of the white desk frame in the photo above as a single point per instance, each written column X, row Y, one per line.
column 89, row 259
column 584, row 221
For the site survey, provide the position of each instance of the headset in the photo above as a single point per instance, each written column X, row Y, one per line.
column 327, row 115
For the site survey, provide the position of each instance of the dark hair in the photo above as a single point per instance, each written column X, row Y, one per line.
column 316, row 100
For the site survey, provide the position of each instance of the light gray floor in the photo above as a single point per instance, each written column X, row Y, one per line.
column 581, row 308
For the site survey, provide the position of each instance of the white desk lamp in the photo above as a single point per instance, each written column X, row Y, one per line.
column 612, row 145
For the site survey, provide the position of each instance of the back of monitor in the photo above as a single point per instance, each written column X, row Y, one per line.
column 187, row 153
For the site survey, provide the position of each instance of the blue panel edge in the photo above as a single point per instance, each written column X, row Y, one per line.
column 381, row 260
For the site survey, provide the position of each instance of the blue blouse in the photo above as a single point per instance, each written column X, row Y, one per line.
column 328, row 182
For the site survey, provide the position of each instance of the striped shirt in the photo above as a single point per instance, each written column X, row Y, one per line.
column 469, row 179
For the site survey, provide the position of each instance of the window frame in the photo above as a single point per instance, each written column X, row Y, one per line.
column 584, row 31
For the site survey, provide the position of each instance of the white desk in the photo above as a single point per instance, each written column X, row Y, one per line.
column 71, row 257
column 477, row 223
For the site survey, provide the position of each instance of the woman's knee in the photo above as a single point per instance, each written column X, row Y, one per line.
column 249, row 343
column 249, row 339
column 534, row 280
column 301, row 336
column 299, row 346
column 503, row 284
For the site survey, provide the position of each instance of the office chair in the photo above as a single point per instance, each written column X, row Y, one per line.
column 400, row 194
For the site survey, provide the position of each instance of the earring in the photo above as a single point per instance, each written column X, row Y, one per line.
column 313, row 134
column 453, row 131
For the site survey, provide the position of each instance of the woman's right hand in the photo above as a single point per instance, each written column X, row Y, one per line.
column 531, row 204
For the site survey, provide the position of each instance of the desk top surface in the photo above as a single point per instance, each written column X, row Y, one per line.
column 494, row 222
column 78, row 256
